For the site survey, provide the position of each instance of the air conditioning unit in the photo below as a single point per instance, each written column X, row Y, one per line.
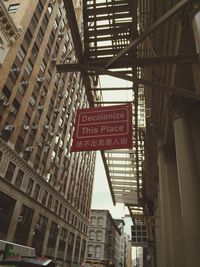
column 40, row 144
column 9, row 128
column 5, row 103
column 41, row 108
column 26, row 127
column 40, row 80
column 60, row 95
column 61, row 35
column 34, row 127
column 20, row 218
column 2, row 98
column 56, row 110
column 54, row 59
column 51, row 134
column 13, row 110
column 24, row 83
column 46, row 126
column 43, row 93
column 29, row 149
column 15, row 70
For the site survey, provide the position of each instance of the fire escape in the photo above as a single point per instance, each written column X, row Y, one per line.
column 120, row 41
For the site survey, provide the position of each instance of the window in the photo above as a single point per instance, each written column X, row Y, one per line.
column 36, row 191
column 29, row 67
column 60, row 210
column 13, row 8
column 15, row 107
column 10, row 171
column 49, row 202
column 97, row 252
column 99, row 235
column 19, row 144
column 21, row 54
column 93, row 221
column 100, row 221
column 42, row 223
column 56, row 206
column 19, row 178
column 44, row 198
column 55, row 24
column 43, row 66
column 29, row 187
column 35, row 50
column 21, row 88
column 32, row 100
column 91, row 235
column 28, row 36
column 90, row 251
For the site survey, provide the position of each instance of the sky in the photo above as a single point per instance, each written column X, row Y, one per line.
column 101, row 198
column 101, row 193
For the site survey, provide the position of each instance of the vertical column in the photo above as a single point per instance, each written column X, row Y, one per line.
column 196, row 31
column 165, row 223
column 44, row 249
column 32, row 229
column 57, row 242
column 14, row 220
column 189, row 180
column 175, row 219
column 196, row 28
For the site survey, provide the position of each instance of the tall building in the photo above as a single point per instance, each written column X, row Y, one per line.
column 45, row 189
column 104, row 239
column 122, row 240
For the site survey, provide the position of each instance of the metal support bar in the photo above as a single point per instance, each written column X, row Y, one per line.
column 170, row 89
column 113, row 102
column 139, row 62
column 151, row 29
column 71, row 17
column 84, row 67
column 112, row 89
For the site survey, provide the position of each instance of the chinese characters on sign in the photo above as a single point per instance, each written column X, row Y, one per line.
column 103, row 128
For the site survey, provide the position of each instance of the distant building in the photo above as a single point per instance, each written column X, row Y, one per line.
column 122, row 259
column 45, row 190
column 128, row 252
column 104, row 238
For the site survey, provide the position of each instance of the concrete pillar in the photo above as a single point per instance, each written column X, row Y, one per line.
column 46, row 237
column 57, row 242
column 14, row 220
column 175, row 218
column 189, row 181
column 196, row 30
column 165, row 223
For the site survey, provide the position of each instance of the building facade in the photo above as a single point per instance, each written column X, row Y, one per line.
column 104, row 238
column 45, row 189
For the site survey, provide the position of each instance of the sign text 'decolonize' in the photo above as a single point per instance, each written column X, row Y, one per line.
column 103, row 128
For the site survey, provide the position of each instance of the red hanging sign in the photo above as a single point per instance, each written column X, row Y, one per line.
column 103, row 128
